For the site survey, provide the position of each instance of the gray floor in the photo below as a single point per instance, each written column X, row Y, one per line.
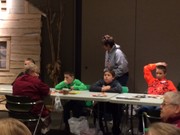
column 57, row 125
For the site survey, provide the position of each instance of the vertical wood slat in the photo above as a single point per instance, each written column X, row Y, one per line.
column 26, row 7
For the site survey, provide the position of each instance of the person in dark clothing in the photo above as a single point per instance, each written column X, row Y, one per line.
column 30, row 85
column 108, row 84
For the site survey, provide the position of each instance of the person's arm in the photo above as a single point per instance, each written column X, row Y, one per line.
column 171, row 86
column 115, row 87
column 97, row 87
column 147, row 72
column 44, row 88
column 61, row 85
column 148, row 69
column 78, row 85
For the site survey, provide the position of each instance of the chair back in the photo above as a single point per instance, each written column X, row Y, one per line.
column 20, row 107
column 87, row 86
column 19, row 103
column 125, row 89
column 149, row 118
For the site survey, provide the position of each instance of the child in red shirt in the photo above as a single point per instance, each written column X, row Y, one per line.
column 158, row 85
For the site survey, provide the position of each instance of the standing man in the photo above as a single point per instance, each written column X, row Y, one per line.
column 115, row 59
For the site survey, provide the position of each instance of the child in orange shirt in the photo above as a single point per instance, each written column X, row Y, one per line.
column 158, row 85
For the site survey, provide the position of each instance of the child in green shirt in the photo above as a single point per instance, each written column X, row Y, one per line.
column 72, row 105
column 71, row 83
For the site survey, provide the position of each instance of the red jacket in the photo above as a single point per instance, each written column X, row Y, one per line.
column 175, row 121
column 31, row 86
column 155, row 86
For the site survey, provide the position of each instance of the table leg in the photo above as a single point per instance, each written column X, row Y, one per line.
column 131, row 121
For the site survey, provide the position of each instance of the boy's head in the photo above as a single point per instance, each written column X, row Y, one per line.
column 109, row 76
column 68, row 77
column 161, row 72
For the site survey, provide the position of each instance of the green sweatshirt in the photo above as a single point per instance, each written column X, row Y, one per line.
column 77, row 85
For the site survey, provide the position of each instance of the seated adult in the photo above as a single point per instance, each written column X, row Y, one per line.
column 157, row 85
column 170, row 108
column 75, row 106
column 30, row 85
column 108, row 84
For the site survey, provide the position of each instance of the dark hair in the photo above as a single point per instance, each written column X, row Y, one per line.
column 163, row 68
column 30, row 59
column 111, row 72
column 69, row 73
column 108, row 40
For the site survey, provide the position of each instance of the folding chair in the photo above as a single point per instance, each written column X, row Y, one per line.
column 107, row 117
column 148, row 118
column 20, row 107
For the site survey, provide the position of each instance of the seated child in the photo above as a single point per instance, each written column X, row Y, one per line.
column 73, row 105
column 158, row 85
column 108, row 84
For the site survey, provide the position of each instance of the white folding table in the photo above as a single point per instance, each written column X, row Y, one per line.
column 136, row 99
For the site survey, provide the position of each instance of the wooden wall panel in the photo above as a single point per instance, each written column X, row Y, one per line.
column 6, row 74
column 20, row 16
column 25, row 40
column 19, row 65
column 32, row 9
column 24, row 30
column 30, row 49
column 16, row 64
column 22, row 57
column 17, row 3
column 20, row 32
column 6, row 80
column 19, row 10
column 33, row 23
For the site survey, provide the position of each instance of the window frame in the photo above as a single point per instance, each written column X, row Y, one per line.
column 7, row 59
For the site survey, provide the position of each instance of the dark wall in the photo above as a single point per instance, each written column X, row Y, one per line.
column 67, row 39
column 101, row 17
column 147, row 30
